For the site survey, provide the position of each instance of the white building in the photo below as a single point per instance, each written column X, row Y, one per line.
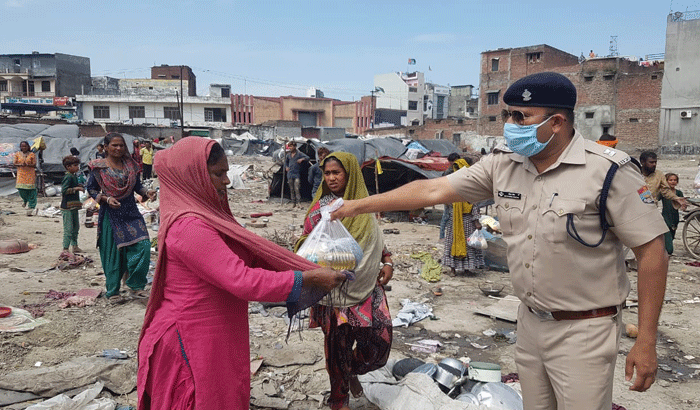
column 436, row 101
column 400, row 98
column 157, row 109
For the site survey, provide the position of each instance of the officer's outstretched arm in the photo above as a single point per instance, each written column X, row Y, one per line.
column 414, row 195
column 651, row 287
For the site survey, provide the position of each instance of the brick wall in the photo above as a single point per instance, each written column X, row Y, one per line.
column 625, row 96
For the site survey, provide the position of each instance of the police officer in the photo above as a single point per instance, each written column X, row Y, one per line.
column 564, row 253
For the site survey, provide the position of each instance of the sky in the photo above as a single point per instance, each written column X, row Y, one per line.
column 274, row 48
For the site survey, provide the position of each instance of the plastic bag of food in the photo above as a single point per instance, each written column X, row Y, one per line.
column 329, row 244
column 477, row 240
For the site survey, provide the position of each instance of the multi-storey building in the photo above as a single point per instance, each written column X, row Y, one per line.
column 42, row 82
column 400, row 98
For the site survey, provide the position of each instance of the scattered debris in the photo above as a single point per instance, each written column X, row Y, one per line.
column 425, row 346
column 68, row 260
column 411, row 312
column 20, row 320
column 85, row 400
column 432, row 271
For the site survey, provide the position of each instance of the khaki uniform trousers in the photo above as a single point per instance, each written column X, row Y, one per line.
column 566, row 364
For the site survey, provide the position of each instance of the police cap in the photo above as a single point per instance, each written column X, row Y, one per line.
column 542, row 90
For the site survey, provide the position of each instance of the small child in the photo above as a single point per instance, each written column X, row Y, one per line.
column 100, row 152
column 670, row 213
column 70, row 203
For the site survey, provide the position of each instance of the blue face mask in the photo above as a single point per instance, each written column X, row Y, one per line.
column 522, row 139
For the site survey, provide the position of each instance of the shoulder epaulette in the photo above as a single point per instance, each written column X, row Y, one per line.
column 502, row 147
column 611, row 154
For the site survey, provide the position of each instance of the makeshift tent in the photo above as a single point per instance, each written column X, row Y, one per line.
column 442, row 147
column 249, row 146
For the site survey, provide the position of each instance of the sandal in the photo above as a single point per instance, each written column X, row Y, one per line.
column 137, row 294
column 437, row 291
column 117, row 299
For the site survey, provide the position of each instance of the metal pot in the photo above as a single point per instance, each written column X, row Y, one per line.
column 444, row 378
column 428, row 368
column 455, row 364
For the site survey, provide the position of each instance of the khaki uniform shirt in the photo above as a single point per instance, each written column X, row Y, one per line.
column 550, row 270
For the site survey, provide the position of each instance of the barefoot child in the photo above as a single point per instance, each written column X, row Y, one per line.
column 70, row 203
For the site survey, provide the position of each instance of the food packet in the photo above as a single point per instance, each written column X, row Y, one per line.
column 330, row 244
column 477, row 240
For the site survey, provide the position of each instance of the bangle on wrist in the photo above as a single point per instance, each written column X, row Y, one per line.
column 387, row 264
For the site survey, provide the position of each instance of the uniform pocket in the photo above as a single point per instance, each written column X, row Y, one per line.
column 555, row 214
column 511, row 214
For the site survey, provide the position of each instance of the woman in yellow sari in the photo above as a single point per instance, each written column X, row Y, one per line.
column 25, row 161
column 463, row 220
column 355, row 320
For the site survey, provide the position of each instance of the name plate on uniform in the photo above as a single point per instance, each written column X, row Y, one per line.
column 509, row 195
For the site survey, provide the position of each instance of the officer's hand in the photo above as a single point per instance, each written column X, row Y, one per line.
column 642, row 359
column 347, row 210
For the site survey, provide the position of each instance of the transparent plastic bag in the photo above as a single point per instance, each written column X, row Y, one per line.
column 330, row 245
column 696, row 183
column 477, row 240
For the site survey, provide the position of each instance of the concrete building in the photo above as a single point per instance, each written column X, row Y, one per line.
column 156, row 108
column 615, row 94
column 435, row 101
column 462, row 103
column 353, row 116
column 176, row 72
column 679, row 132
column 400, row 99
column 40, row 79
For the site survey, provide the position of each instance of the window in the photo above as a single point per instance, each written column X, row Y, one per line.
column 588, row 78
column 101, row 111
column 45, row 86
column 493, row 98
column 589, row 114
column 605, row 130
column 215, row 114
column 175, row 77
column 162, row 76
column 425, row 103
column 492, row 118
column 413, row 105
column 634, row 119
column 411, row 132
column 438, row 135
column 412, row 89
column 172, row 113
column 137, row 111
column 17, row 61
column 460, row 121
column 494, row 64
column 3, row 85
column 456, row 138
column 654, row 76
column 608, row 77
column 534, row 57
column 225, row 92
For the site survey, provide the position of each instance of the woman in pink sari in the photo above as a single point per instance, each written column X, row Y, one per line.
column 194, row 346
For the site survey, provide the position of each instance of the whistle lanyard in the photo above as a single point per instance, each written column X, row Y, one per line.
column 602, row 207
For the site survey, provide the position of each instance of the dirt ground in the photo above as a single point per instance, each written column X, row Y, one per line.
column 296, row 370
